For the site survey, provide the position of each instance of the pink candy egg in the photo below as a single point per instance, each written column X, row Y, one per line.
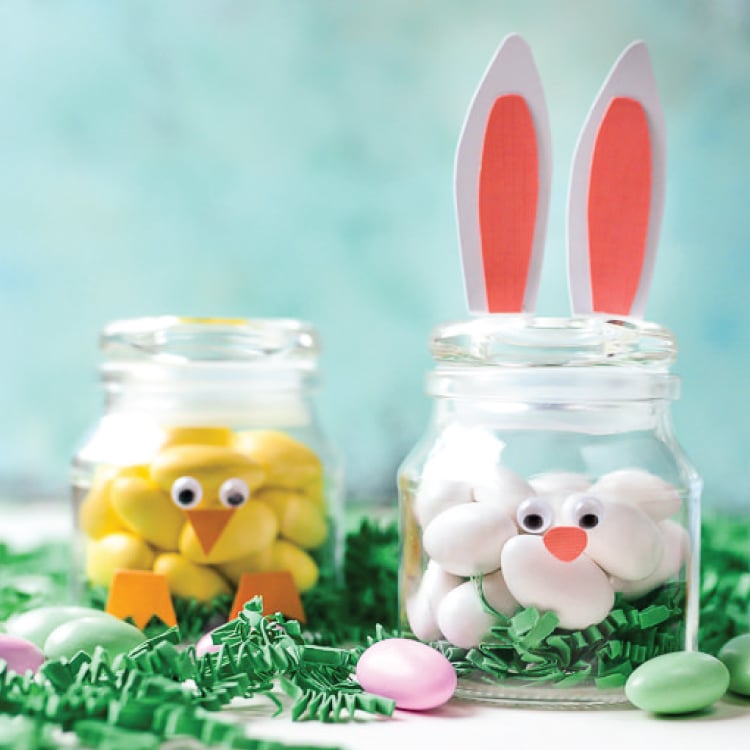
column 416, row 676
column 206, row 645
column 21, row 655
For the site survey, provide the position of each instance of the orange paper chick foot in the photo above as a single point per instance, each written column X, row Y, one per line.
column 278, row 591
column 140, row 594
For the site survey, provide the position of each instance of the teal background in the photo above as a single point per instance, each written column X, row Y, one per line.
column 265, row 158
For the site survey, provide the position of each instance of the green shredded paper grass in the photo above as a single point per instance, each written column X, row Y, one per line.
column 162, row 690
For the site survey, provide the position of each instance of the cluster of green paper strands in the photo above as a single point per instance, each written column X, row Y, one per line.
column 162, row 690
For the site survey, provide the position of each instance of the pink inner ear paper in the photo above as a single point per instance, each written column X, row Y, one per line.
column 618, row 207
column 508, row 195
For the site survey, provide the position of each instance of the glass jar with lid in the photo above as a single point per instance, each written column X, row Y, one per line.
column 208, row 465
column 550, row 519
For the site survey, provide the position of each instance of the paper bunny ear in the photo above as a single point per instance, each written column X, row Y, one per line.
column 616, row 195
column 502, row 183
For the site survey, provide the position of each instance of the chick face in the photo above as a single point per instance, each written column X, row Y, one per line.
column 212, row 486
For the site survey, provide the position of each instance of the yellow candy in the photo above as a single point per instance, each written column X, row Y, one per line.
column 281, row 555
column 315, row 490
column 187, row 579
column 211, row 465
column 115, row 551
column 286, row 462
column 198, row 436
column 256, row 562
column 147, row 510
column 299, row 519
column 96, row 515
column 251, row 528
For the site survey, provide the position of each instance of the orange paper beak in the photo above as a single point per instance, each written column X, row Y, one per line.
column 208, row 525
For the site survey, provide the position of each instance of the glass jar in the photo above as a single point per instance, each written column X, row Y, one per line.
column 208, row 465
column 549, row 519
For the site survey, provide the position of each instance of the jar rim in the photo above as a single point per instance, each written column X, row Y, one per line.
column 171, row 339
column 529, row 341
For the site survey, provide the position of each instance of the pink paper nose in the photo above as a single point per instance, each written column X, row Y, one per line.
column 565, row 542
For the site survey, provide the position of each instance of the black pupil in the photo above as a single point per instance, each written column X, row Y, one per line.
column 588, row 521
column 236, row 498
column 185, row 497
column 533, row 521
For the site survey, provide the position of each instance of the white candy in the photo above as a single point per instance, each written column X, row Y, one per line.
column 435, row 495
column 504, row 489
column 578, row 592
column 675, row 553
column 556, row 486
column 468, row 539
column 461, row 617
column 655, row 497
column 422, row 606
column 626, row 543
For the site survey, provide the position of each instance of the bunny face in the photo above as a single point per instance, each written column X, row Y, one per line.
column 558, row 543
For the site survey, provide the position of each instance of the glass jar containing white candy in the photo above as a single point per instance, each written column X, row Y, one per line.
column 549, row 517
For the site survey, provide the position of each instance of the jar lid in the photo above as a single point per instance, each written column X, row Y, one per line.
column 528, row 341
column 174, row 340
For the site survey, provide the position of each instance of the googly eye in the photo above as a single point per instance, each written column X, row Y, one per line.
column 588, row 512
column 186, row 492
column 534, row 515
column 234, row 493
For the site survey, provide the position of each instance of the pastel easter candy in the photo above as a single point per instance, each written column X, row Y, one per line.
column 96, row 515
column 115, row 551
column 280, row 555
column 676, row 543
column 206, row 645
column 19, row 654
column 414, row 675
column 188, row 579
column 421, row 606
column 468, row 539
column 85, row 634
column 285, row 461
column 250, row 528
column 36, row 624
column 300, row 520
column 735, row 655
column 578, row 591
column 211, row 465
column 198, row 436
column 436, row 494
column 461, row 617
column 147, row 510
column 677, row 683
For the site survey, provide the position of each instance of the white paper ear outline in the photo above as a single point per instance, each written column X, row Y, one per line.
column 631, row 77
column 512, row 71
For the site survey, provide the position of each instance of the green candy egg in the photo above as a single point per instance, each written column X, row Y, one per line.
column 85, row 634
column 36, row 624
column 735, row 655
column 677, row 683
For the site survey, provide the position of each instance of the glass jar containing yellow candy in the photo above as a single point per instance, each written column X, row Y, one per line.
column 208, row 479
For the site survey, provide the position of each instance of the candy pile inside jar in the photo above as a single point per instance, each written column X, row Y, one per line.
column 212, row 505
column 557, row 542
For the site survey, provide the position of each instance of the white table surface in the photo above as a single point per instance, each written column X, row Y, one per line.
column 463, row 726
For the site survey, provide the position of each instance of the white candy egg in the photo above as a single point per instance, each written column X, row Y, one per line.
column 675, row 552
column 461, row 617
column 578, row 592
column 502, row 488
column 655, row 497
column 558, row 485
column 622, row 539
column 436, row 494
column 468, row 539
column 421, row 607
